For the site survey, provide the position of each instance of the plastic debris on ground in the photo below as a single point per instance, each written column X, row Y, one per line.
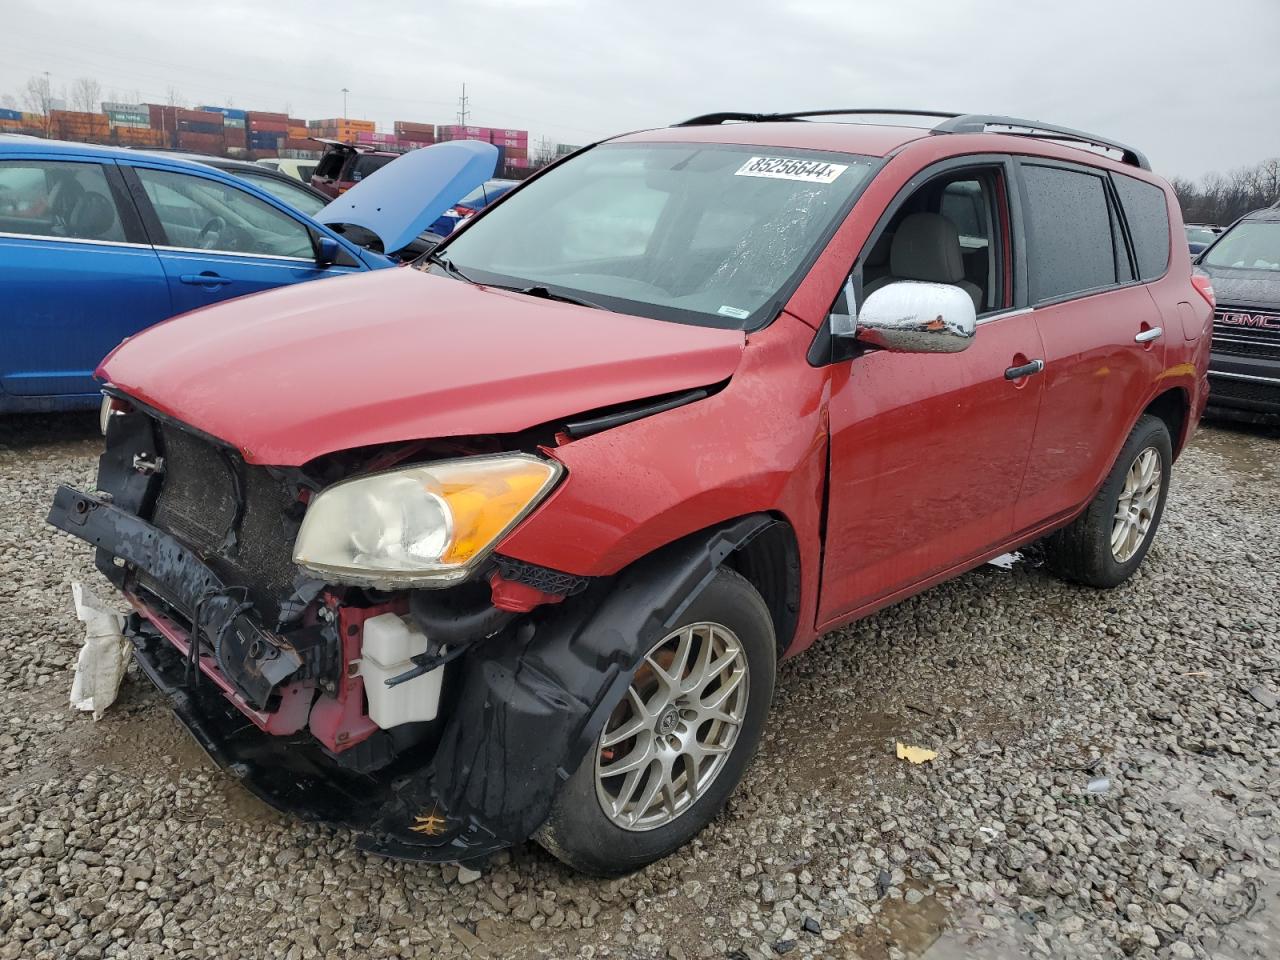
column 1005, row 561
column 1099, row 785
column 1262, row 695
column 104, row 658
column 915, row 754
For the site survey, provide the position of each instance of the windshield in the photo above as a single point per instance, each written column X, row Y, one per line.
column 1250, row 245
column 1200, row 235
column 700, row 233
column 295, row 195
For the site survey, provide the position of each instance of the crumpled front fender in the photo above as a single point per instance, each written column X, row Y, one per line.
column 533, row 700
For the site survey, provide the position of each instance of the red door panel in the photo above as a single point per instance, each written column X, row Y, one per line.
column 927, row 456
column 1096, row 379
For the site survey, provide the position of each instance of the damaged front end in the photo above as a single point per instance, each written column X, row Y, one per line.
column 437, row 723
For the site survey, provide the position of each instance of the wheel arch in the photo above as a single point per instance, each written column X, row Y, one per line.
column 1173, row 407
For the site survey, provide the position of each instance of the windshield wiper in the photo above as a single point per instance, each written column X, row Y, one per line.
column 448, row 265
column 548, row 294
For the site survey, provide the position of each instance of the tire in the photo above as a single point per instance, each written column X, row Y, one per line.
column 1083, row 551
column 579, row 831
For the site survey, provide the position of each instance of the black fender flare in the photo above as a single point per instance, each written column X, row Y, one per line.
column 532, row 700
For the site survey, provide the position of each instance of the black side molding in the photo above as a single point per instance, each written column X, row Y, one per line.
column 586, row 426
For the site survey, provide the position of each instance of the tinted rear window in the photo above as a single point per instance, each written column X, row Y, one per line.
column 1069, row 223
column 1148, row 215
column 365, row 165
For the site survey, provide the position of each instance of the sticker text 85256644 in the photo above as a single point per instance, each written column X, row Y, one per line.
column 791, row 168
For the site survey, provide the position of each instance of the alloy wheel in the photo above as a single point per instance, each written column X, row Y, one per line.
column 670, row 736
column 1137, row 505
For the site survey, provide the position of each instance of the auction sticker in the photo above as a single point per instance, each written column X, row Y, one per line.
column 789, row 168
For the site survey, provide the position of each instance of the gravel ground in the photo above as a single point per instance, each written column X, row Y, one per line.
column 1107, row 779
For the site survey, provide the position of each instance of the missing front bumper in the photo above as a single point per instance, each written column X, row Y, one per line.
column 255, row 661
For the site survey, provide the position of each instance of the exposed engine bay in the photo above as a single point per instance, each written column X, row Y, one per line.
column 435, row 722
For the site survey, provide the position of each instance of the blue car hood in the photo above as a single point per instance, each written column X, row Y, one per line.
column 399, row 201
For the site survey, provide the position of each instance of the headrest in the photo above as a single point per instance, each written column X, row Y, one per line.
column 92, row 216
column 927, row 247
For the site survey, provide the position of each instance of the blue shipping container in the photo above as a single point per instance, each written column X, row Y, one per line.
column 225, row 111
column 10, row 114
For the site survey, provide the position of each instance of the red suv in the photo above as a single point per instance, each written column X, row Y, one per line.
column 343, row 165
column 509, row 544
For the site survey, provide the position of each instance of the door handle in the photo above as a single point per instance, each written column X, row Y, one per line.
column 1146, row 336
column 205, row 279
column 1026, row 370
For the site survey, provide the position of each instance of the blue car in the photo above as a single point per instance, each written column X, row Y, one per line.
column 98, row 243
column 471, row 204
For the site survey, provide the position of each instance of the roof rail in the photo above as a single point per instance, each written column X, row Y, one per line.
column 978, row 123
column 711, row 119
column 951, row 123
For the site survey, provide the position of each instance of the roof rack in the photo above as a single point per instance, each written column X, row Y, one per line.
column 951, row 123
column 710, row 119
column 978, row 123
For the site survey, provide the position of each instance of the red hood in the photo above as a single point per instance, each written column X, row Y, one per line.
column 392, row 355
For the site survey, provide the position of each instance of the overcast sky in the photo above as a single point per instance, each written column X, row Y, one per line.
column 1195, row 84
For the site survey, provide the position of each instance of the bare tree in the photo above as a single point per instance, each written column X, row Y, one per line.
column 1221, row 198
column 86, row 95
column 37, row 95
column 8, row 102
column 175, row 97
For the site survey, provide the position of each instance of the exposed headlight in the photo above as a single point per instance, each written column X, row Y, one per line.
column 110, row 407
column 424, row 526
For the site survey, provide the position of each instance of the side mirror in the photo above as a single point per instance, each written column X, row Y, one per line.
column 911, row 316
column 327, row 250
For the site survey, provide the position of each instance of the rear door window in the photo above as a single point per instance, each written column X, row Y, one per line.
column 1070, row 247
column 1147, row 214
column 62, row 200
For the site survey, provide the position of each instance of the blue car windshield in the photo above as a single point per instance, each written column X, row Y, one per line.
column 714, row 234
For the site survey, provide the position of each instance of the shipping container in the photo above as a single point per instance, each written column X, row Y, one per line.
column 237, row 122
column 343, row 122
column 228, row 113
column 266, row 115
column 409, row 126
column 192, row 126
column 208, row 143
column 141, row 137
column 518, row 163
column 6, row 114
column 509, row 134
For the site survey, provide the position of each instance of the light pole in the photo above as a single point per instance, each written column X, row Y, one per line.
column 345, row 91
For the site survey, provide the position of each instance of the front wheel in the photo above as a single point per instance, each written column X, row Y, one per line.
column 672, row 751
column 1105, row 544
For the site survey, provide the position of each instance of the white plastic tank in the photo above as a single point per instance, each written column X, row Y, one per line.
column 389, row 643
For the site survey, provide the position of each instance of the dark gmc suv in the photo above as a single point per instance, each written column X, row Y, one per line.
column 508, row 543
column 1244, row 368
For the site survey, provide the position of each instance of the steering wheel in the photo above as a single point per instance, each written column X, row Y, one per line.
column 210, row 233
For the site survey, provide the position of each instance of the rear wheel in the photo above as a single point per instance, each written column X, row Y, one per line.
column 1105, row 544
column 674, row 748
